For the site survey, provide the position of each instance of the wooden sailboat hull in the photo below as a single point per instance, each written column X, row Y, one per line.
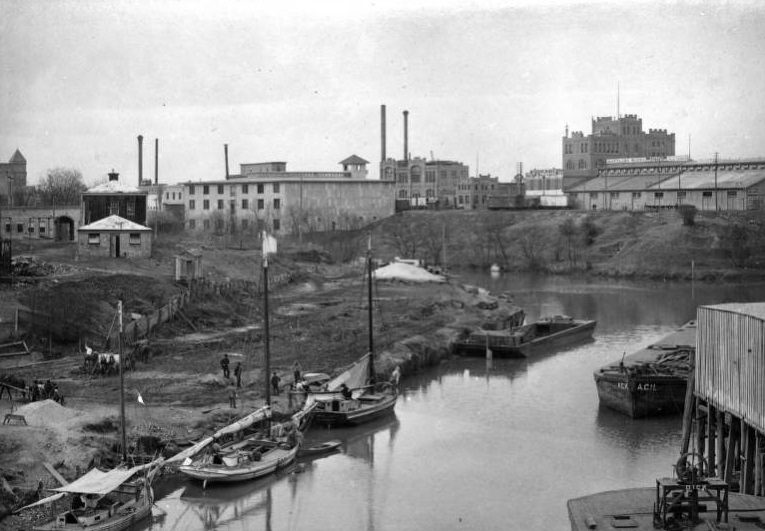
column 640, row 397
column 271, row 462
column 365, row 413
column 134, row 515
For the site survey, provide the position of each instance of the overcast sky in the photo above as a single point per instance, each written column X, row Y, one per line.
column 487, row 83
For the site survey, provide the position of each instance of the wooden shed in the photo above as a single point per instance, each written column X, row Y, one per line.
column 188, row 265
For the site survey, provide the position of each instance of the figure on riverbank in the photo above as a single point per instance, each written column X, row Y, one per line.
column 232, row 397
column 238, row 374
column 395, row 376
column 224, row 365
column 296, row 370
column 275, row 382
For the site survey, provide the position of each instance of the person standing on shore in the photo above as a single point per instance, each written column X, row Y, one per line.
column 238, row 374
column 275, row 382
column 224, row 365
column 296, row 370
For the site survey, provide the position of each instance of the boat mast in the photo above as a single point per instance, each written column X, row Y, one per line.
column 122, row 384
column 369, row 308
column 266, row 342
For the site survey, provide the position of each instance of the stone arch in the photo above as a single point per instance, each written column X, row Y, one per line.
column 64, row 228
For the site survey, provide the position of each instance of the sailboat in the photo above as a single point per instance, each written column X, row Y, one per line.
column 244, row 457
column 368, row 398
column 106, row 501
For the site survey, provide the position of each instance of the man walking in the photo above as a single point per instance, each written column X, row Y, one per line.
column 224, row 365
column 238, row 374
column 275, row 382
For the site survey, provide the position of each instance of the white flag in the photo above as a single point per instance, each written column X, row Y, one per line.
column 269, row 244
column 140, row 399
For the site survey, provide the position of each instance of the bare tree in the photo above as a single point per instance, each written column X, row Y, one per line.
column 532, row 247
column 403, row 237
column 433, row 242
column 61, row 186
column 494, row 230
column 569, row 231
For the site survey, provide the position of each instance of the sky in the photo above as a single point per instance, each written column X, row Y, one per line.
column 487, row 83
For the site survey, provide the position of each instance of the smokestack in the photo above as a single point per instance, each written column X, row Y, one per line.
column 140, row 159
column 406, row 135
column 382, row 133
column 225, row 152
column 156, row 161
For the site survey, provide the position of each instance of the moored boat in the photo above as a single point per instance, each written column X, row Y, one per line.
column 527, row 340
column 652, row 380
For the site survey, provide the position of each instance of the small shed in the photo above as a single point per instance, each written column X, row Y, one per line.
column 114, row 237
column 188, row 265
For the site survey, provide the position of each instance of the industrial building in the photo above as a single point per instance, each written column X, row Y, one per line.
column 611, row 138
column 13, row 175
column 645, row 184
column 115, row 237
column 267, row 196
column 419, row 182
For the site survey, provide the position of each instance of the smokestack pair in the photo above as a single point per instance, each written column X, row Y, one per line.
column 383, row 130
column 140, row 160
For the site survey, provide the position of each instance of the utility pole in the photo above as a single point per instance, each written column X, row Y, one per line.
column 716, row 205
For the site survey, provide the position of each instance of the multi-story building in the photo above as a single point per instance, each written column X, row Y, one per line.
column 266, row 195
column 424, row 182
column 476, row 192
column 645, row 184
column 114, row 198
column 611, row 138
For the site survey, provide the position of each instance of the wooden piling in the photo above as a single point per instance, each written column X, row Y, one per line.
column 757, row 464
column 701, row 429
column 720, row 440
column 747, row 470
column 711, row 445
column 730, row 456
column 689, row 408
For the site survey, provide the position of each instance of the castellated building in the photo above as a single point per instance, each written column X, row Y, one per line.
column 611, row 138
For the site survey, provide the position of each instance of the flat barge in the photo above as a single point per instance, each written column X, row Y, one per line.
column 651, row 381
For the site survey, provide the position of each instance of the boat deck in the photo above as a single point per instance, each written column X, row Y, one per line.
column 609, row 510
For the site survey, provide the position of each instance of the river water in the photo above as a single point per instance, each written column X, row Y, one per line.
column 478, row 447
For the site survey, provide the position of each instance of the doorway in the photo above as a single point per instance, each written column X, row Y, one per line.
column 116, row 245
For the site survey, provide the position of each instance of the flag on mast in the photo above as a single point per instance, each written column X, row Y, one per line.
column 140, row 398
column 269, row 246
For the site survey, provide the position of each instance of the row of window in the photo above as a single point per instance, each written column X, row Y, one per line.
column 261, row 204
column 476, row 187
column 94, row 238
column 220, row 224
column 659, row 195
column 20, row 228
column 403, row 194
column 167, row 195
column 260, row 188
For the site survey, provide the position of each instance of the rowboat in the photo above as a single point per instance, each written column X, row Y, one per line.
column 527, row 340
column 320, row 448
column 652, row 380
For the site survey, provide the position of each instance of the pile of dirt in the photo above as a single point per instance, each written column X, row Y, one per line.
column 47, row 413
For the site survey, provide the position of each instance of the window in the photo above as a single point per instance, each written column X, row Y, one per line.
column 706, row 194
column 191, row 189
column 403, row 177
column 277, row 224
column 31, row 229
column 614, row 195
column 220, row 204
column 192, row 224
column 94, row 238
column 594, row 195
column 244, row 204
column 7, row 227
column 658, row 195
column 277, row 203
column 635, row 195
column 570, row 165
column 245, row 188
column 180, row 196
column 731, row 193
column 130, row 208
column 260, row 188
column 261, row 204
column 192, row 204
column 430, row 176
column 41, row 228
column 167, row 195
column 220, row 188
column 114, row 207
column 582, row 164
column 206, row 224
column 681, row 195
column 402, row 194
column 135, row 238
column 19, row 227
column 416, row 174
column 206, row 189
column 206, row 204
column 276, row 188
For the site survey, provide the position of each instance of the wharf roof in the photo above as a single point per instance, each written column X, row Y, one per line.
column 288, row 177
column 754, row 309
column 726, row 179
column 621, row 183
column 115, row 187
column 115, row 222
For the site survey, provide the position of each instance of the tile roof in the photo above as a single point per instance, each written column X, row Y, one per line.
column 354, row 159
column 114, row 222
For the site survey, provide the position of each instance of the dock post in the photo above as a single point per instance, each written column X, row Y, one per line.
column 690, row 406
column 747, row 471
column 700, row 429
column 720, row 424
column 730, row 456
column 757, row 464
column 711, row 445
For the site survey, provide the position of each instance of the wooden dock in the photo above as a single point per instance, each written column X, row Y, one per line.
column 633, row 509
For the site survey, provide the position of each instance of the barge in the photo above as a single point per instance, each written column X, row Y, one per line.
column 651, row 381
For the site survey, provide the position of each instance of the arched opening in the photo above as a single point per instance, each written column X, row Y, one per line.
column 64, row 228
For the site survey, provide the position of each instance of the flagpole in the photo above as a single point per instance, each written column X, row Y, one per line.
column 122, row 385
column 266, row 343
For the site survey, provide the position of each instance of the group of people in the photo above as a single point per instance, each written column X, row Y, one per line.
column 38, row 390
column 225, row 363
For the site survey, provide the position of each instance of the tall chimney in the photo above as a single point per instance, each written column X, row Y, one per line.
column 225, row 152
column 156, row 161
column 406, row 135
column 140, row 159
column 382, row 133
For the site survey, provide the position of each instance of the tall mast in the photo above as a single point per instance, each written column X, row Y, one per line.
column 265, row 322
column 122, row 384
column 369, row 308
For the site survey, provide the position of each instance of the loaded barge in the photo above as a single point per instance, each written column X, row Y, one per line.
column 651, row 381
